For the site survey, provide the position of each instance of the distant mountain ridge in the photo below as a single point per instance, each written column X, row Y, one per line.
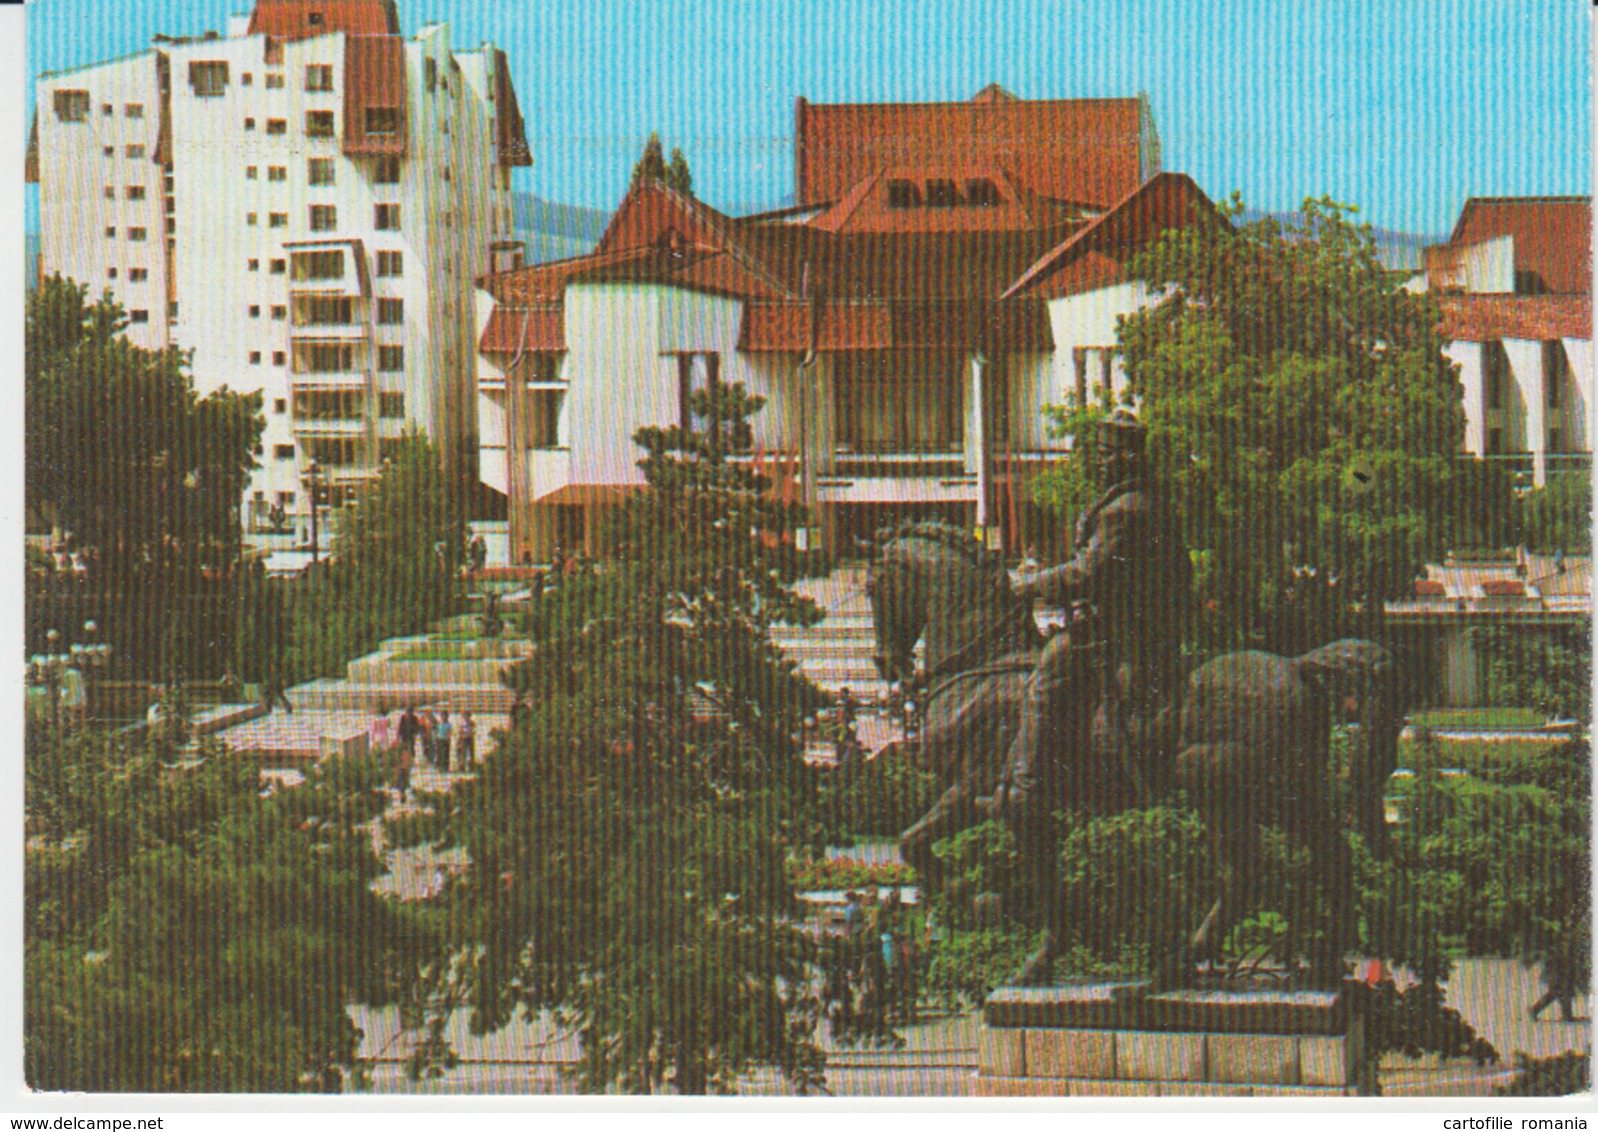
column 1398, row 251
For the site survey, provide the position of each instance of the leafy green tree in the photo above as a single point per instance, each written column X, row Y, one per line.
column 184, row 932
column 393, row 566
column 1304, row 418
column 1549, row 671
column 628, row 840
column 121, row 451
column 652, row 166
column 1558, row 516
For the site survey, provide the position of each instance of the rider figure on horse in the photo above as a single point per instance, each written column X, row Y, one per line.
column 1106, row 691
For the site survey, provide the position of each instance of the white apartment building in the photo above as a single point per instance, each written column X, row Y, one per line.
column 304, row 204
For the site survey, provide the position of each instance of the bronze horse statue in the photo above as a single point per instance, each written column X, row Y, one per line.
column 1253, row 747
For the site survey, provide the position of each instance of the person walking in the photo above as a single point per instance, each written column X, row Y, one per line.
column 441, row 741
column 429, row 752
column 466, row 741
column 410, row 727
column 402, row 773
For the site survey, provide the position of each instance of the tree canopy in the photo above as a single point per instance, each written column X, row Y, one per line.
column 186, row 932
column 393, row 565
column 1304, row 417
column 628, row 839
column 121, row 451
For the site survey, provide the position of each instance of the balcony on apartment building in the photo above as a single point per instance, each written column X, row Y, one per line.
column 329, row 267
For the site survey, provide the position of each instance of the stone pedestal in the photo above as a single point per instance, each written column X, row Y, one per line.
column 1116, row 1040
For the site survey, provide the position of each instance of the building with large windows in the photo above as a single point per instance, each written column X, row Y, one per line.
column 304, row 203
column 947, row 271
column 1515, row 284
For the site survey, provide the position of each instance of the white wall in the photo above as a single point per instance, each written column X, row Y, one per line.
column 1087, row 321
column 1473, row 379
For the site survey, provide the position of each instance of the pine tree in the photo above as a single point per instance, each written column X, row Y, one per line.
column 678, row 175
column 652, row 164
column 629, row 839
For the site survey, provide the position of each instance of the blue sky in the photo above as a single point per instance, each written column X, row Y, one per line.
column 1404, row 107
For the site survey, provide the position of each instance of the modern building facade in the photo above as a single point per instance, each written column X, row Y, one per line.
column 1515, row 284
column 948, row 270
column 304, row 204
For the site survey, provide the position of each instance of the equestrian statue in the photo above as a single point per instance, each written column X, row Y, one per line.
column 1097, row 718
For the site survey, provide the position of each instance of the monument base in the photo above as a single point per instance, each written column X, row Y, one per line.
column 1109, row 1039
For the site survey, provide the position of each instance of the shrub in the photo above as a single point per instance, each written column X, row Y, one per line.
column 1557, row 1076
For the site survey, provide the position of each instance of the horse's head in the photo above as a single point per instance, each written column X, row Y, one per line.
column 898, row 612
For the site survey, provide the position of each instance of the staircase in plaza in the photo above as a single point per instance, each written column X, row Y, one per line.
column 837, row 652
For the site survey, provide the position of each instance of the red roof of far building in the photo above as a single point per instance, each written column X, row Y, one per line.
column 1088, row 151
column 1096, row 255
column 1553, row 239
column 303, row 19
column 1488, row 318
column 374, row 79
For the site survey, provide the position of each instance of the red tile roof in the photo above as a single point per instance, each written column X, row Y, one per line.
column 1095, row 255
column 1553, row 239
column 291, row 19
column 511, row 330
column 1487, row 318
column 1083, row 150
column 374, row 77
column 865, row 207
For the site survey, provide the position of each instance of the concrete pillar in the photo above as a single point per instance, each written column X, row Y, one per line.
column 517, row 489
column 976, row 436
column 1473, row 377
column 1579, row 352
column 1526, row 373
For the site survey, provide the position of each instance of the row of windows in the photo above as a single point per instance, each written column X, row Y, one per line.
column 941, row 192
column 137, row 235
column 209, row 79
column 135, row 274
column 134, row 151
column 344, row 404
column 338, row 357
column 129, row 192
column 338, row 310
column 324, row 218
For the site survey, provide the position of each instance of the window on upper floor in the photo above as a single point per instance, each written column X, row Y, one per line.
column 318, row 123
column 391, row 263
column 136, row 152
column 255, row 357
column 136, row 234
column 324, row 217
column 277, row 125
column 319, row 77
column 135, row 192
column 386, row 171
column 208, row 78
column 279, row 266
column 109, row 151
column 903, row 194
column 274, row 80
column 279, row 358
column 251, row 172
column 138, row 274
column 391, row 312
column 111, row 232
column 318, row 265
column 255, row 265
column 382, row 120
column 134, row 109
column 386, row 217
column 249, row 123
column 391, row 405
column 110, row 192
column 278, row 220
column 544, row 423
column 283, row 451
column 246, row 79
column 1496, row 363
column 277, row 173
column 324, row 310
column 982, row 193
column 138, row 316
column 105, row 110
column 71, row 105
column 430, row 73
column 320, row 171
column 314, row 19
column 111, row 273
column 324, row 357
column 255, row 310
column 391, row 359
column 942, row 193
column 280, row 312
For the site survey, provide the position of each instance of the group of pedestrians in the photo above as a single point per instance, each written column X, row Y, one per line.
column 446, row 742
column 881, row 959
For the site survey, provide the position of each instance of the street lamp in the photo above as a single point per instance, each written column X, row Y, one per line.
column 313, row 479
column 67, row 671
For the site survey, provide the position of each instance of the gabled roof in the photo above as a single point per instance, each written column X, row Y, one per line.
column 1085, row 150
column 866, row 208
column 1553, row 239
column 1095, row 255
column 293, row 19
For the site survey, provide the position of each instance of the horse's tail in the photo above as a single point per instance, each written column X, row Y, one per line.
column 1365, row 673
